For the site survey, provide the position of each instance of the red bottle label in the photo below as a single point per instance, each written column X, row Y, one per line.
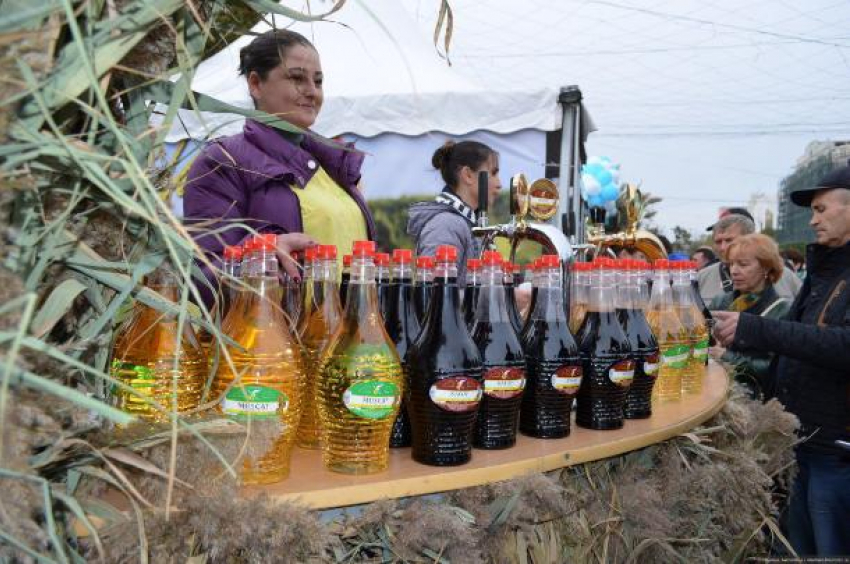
column 567, row 380
column 622, row 373
column 458, row 394
column 503, row 382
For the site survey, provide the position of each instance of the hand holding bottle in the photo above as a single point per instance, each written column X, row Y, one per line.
column 286, row 244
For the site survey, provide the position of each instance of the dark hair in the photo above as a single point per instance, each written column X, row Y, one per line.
column 266, row 51
column 452, row 156
column 793, row 255
column 709, row 254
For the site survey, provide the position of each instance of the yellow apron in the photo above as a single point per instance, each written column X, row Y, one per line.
column 329, row 215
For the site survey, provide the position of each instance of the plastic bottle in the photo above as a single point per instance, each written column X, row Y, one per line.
column 670, row 334
column 361, row 386
column 554, row 366
column 630, row 311
column 706, row 313
column 267, row 397
column 502, row 357
column 403, row 328
column 606, row 355
column 167, row 370
column 692, row 318
column 322, row 318
column 445, row 374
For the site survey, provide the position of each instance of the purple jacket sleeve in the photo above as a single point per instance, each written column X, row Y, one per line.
column 213, row 206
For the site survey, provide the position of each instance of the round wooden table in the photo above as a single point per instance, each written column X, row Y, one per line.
column 311, row 485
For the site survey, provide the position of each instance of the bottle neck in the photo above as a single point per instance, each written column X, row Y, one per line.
column 628, row 290
column 601, row 296
column 549, row 303
column 580, row 288
column 361, row 303
column 382, row 274
column 425, row 275
column 662, row 293
column 402, row 272
column 444, row 308
column 682, row 294
column 492, row 304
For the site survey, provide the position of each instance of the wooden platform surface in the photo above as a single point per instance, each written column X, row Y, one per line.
column 311, row 485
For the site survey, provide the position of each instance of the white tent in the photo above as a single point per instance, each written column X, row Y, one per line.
column 387, row 88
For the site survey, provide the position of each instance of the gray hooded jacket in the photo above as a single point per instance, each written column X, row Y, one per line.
column 432, row 224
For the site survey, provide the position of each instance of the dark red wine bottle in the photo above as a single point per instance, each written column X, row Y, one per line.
column 445, row 374
column 403, row 328
column 554, row 366
column 470, row 292
column 503, row 359
column 606, row 355
column 644, row 347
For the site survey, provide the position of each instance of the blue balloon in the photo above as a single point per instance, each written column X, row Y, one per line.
column 595, row 202
column 593, row 169
column 604, row 177
column 609, row 192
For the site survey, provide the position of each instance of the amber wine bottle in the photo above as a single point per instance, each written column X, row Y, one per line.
column 164, row 369
column 361, row 382
column 322, row 318
column 267, row 397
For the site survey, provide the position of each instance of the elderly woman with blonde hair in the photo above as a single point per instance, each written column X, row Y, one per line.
column 755, row 265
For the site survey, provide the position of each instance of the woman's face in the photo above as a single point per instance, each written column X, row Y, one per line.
column 293, row 89
column 747, row 274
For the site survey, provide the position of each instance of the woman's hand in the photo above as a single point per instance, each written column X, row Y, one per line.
column 288, row 243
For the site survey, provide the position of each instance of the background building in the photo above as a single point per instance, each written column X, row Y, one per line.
column 819, row 158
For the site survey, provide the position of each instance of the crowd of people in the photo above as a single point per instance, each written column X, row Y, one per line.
column 782, row 321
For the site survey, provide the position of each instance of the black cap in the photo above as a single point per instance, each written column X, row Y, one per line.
column 732, row 211
column 838, row 178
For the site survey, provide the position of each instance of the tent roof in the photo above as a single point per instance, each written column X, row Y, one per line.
column 381, row 75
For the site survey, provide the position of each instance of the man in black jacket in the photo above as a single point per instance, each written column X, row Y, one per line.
column 812, row 371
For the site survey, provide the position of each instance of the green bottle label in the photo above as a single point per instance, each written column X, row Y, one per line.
column 676, row 356
column 136, row 376
column 256, row 402
column 372, row 399
column 701, row 351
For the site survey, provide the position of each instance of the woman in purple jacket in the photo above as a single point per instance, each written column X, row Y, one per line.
column 299, row 186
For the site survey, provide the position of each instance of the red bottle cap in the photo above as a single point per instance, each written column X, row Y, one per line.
column 363, row 248
column 446, row 253
column 311, row 253
column 326, row 252
column 382, row 259
column 425, row 262
column 582, row 266
column 265, row 242
column 661, row 264
column 606, row 263
column 549, row 261
column 473, row 264
column 492, row 258
column 402, row 256
column 233, row 252
column 346, row 260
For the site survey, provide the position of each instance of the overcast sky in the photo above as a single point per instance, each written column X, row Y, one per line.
column 704, row 101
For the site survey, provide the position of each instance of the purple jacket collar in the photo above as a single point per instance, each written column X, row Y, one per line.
column 341, row 161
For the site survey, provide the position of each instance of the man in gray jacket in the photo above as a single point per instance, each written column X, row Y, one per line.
column 715, row 279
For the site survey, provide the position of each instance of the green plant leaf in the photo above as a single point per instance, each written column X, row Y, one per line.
column 55, row 306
